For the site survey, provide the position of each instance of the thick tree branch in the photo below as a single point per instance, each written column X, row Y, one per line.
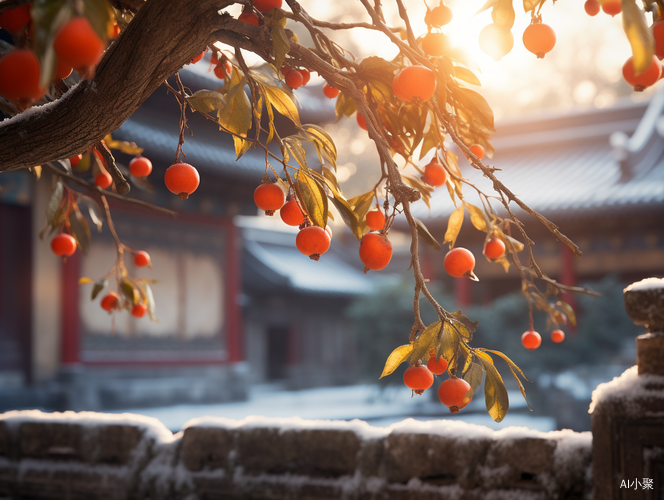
column 161, row 38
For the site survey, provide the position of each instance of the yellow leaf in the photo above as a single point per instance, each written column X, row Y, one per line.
column 476, row 217
column 398, row 356
column 206, row 101
column 241, row 146
column 236, row 116
column 281, row 102
column 639, row 36
column 495, row 393
column 84, row 281
column 454, row 226
column 313, row 198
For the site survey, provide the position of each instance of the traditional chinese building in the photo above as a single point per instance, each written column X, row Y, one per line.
column 597, row 174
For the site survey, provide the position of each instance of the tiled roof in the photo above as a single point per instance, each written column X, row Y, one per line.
column 272, row 257
column 579, row 164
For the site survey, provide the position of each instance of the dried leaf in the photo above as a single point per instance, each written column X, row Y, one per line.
column 84, row 281
column 398, row 356
column 80, row 230
column 503, row 14
column 466, row 75
column 425, row 234
column 205, row 101
column 323, row 143
column 495, row 393
column 236, row 116
column 454, row 226
column 127, row 147
column 568, row 310
column 473, row 375
column 423, row 344
column 477, row 217
column 639, row 36
column 514, row 369
column 281, row 101
column 281, row 44
column 313, row 198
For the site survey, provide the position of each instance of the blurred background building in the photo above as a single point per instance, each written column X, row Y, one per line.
column 241, row 310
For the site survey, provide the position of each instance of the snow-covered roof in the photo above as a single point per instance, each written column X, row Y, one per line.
column 575, row 164
column 272, row 257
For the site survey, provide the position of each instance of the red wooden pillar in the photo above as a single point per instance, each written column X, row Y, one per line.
column 233, row 262
column 70, row 326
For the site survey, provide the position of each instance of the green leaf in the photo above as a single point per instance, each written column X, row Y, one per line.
column 55, row 201
column 454, row 226
column 93, row 209
column 396, row 357
column 281, row 101
column 426, row 235
column 495, row 393
column 503, row 13
column 476, row 217
column 205, row 101
column 99, row 16
column 97, row 289
column 638, row 34
column 236, row 116
column 425, row 342
column 281, row 44
column 80, row 230
column 313, row 198
column 47, row 17
column 130, row 291
column 466, row 75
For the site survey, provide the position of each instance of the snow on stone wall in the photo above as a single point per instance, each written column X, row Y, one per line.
column 90, row 455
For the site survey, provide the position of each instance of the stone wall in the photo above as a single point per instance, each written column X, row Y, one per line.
column 99, row 456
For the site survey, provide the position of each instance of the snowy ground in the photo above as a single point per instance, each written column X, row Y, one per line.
column 378, row 407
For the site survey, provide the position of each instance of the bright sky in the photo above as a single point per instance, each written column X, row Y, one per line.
column 584, row 67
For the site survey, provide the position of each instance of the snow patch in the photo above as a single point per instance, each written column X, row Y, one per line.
column 151, row 426
column 628, row 388
column 646, row 284
column 361, row 428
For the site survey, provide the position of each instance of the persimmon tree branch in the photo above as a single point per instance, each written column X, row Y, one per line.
column 160, row 39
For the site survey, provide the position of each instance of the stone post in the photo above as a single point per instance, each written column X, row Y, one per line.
column 627, row 414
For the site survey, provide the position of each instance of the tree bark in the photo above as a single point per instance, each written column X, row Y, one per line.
column 164, row 35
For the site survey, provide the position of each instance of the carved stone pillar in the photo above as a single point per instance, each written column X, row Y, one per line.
column 628, row 413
